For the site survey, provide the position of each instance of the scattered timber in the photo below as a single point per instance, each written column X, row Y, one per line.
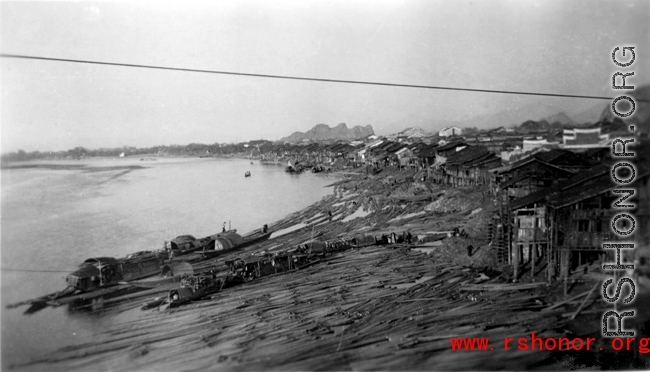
column 380, row 307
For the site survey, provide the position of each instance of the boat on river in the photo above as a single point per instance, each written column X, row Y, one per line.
column 192, row 287
column 318, row 168
column 104, row 275
column 197, row 286
column 247, row 174
column 293, row 169
column 99, row 272
column 213, row 245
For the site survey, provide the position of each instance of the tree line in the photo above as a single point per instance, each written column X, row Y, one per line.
column 190, row 150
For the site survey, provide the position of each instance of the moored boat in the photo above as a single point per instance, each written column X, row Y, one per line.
column 253, row 266
column 105, row 275
column 197, row 286
column 193, row 287
column 99, row 272
column 292, row 169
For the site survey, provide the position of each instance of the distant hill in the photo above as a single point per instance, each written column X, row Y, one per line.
column 531, row 112
column 508, row 117
column 589, row 115
column 560, row 118
column 324, row 132
column 511, row 116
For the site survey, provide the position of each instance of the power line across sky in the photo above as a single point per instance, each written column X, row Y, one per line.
column 288, row 77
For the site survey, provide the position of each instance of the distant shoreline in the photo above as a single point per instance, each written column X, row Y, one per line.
column 83, row 167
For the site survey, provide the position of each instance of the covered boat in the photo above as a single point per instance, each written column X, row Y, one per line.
column 363, row 240
column 99, row 272
column 259, row 265
column 317, row 169
column 208, row 247
column 194, row 287
column 185, row 244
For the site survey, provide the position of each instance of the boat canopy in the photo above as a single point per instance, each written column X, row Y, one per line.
column 85, row 272
column 317, row 246
column 177, row 269
column 180, row 242
column 363, row 240
column 226, row 241
column 180, row 294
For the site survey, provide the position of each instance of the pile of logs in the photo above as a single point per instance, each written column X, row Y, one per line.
column 344, row 313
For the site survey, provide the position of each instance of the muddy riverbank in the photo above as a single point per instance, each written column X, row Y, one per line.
column 390, row 307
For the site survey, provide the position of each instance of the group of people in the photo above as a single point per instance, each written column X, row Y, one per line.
column 338, row 244
column 329, row 245
column 393, row 238
column 457, row 232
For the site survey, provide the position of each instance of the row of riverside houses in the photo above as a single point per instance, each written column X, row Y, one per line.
column 311, row 154
column 554, row 199
column 454, row 163
column 555, row 209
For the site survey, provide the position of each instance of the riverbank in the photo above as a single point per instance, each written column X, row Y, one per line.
column 392, row 307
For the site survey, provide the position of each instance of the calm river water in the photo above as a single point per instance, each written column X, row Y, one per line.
column 54, row 219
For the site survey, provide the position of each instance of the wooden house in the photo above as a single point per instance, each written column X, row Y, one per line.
column 479, row 168
column 405, row 157
column 565, row 159
column 527, row 176
column 458, row 166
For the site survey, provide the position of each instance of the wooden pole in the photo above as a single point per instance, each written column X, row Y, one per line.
column 428, row 169
column 584, row 301
column 533, row 253
column 508, row 228
column 515, row 261
column 548, row 247
column 565, row 269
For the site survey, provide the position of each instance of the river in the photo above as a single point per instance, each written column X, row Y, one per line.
column 53, row 219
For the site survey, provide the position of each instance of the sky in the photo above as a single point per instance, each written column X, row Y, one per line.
column 535, row 46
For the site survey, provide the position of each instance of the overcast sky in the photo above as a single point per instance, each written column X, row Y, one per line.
column 537, row 46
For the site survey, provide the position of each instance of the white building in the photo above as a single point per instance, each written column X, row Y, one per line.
column 584, row 138
column 450, row 131
column 530, row 145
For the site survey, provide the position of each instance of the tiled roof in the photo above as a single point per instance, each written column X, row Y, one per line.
column 467, row 154
column 535, row 197
column 451, row 145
